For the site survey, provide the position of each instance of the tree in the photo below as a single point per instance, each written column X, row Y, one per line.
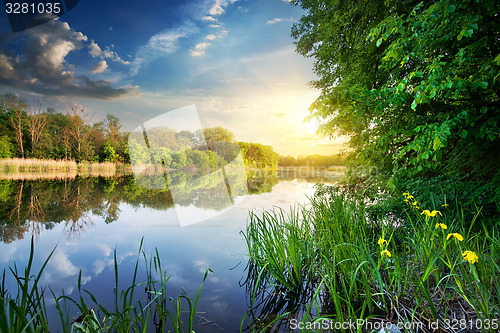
column 415, row 86
column 79, row 118
column 36, row 123
column 5, row 147
column 113, row 127
column 15, row 106
column 218, row 134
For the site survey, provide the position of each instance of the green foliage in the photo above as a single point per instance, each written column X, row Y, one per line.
column 27, row 311
column 415, row 86
column 257, row 155
column 365, row 269
column 6, row 147
column 312, row 160
column 110, row 153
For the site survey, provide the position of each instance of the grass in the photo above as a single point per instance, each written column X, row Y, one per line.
column 352, row 268
column 27, row 311
column 30, row 168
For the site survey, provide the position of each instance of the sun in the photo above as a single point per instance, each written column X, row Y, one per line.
column 310, row 126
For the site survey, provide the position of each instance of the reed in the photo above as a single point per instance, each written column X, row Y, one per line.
column 26, row 311
column 18, row 165
column 26, row 169
column 416, row 271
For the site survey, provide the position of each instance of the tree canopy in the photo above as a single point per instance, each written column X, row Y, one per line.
column 416, row 87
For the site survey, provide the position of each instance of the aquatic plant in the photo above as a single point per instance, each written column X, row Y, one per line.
column 429, row 268
column 26, row 311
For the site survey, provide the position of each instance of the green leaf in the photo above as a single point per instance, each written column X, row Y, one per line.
column 463, row 134
column 379, row 41
column 413, row 104
column 436, row 144
column 468, row 32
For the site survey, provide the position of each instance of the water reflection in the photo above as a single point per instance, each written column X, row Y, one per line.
column 30, row 206
column 273, row 307
column 101, row 214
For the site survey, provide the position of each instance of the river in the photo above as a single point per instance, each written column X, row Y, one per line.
column 87, row 218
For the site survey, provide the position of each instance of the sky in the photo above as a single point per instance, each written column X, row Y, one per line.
column 233, row 59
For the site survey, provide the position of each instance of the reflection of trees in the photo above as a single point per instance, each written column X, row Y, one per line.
column 271, row 305
column 78, row 218
column 35, row 205
column 312, row 175
column 261, row 181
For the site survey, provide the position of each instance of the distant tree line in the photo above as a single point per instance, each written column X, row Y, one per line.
column 29, row 131
column 312, row 160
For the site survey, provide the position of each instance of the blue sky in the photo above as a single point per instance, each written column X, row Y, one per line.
column 233, row 59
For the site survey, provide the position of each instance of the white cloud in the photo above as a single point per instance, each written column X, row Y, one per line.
column 208, row 18
column 42, row 66
column 165, row 42
column 100, row 67
column 199, row 49
column 280, row 20
column 95, row 50
column 216, row 8
column 210, row 37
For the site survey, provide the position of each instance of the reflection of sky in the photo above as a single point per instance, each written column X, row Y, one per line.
column 185, row 253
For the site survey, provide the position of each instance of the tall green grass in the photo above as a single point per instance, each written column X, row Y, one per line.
column 383, row 270
column 26, row 311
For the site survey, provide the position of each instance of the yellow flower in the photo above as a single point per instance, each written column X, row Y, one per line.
column 470, row 256
column 381, row 241
column 443, row 226
column 432, row 214
column 385, row 252
column 406, row 200
column 406, row 193
column 410, row 197
column 457, row 236
column 445, row 205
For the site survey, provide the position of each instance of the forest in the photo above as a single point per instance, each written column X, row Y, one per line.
column 32, row 131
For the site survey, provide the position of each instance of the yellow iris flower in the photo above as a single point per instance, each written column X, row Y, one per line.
column 385, row 252
column 470, row 256
column 431, row 214
column 442, row 225
column 381, row 241
column 457, row 236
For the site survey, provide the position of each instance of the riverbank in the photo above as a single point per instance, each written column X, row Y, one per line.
column 328, row 264
column 30, row 168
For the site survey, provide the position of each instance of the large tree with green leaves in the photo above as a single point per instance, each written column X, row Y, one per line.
column 415, row 86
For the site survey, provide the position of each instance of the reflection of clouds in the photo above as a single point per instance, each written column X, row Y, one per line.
column 60, row 267
column 99, row 266
column 201, row 265
column 7, row 253
column 61, row 264
column 105, row 249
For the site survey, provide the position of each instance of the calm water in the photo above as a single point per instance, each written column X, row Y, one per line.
column 87, row 218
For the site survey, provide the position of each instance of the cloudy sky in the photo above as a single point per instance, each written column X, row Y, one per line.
column 233, row 59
